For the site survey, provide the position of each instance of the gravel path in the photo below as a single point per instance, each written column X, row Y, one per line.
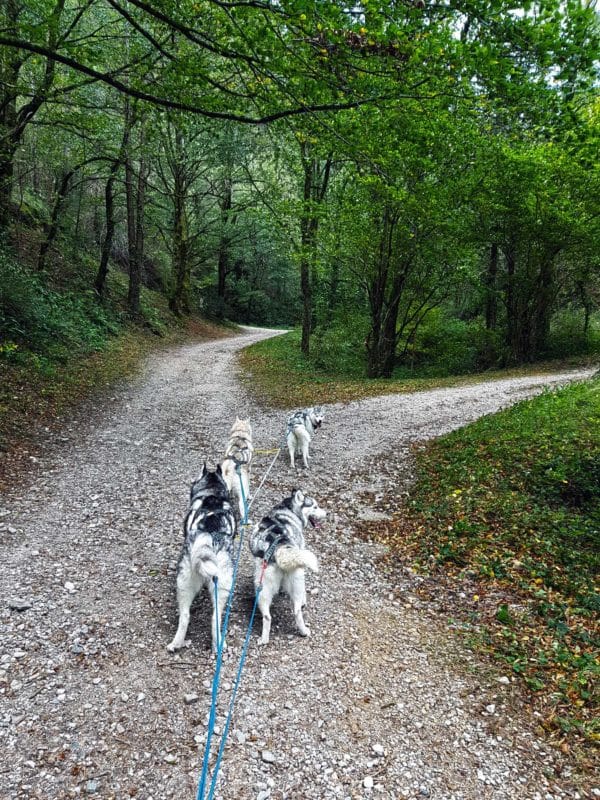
column 381, row 702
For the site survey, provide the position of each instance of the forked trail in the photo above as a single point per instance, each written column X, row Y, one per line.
column 382, row 695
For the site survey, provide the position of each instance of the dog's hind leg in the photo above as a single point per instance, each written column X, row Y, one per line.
column 297, row 592
column 291, row 443
column 264, row 604
column 269, row 590
column 185, row 596
column 303, row 443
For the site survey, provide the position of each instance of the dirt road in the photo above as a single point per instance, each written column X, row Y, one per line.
column 382, row 701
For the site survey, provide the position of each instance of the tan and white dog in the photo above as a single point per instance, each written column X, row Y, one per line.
column 236, row 464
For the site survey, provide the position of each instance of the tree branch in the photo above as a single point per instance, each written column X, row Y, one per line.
column 105, row 77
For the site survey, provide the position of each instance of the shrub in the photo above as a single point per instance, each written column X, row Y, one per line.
column 48, row 323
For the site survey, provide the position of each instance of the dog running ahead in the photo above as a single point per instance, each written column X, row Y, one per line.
column 239, row 454
column 209, row 529
column 277, row 543
column 301, row 427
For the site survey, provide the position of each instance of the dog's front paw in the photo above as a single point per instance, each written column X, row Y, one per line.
column 263, row 640
column 304, row 631
column 175, row 645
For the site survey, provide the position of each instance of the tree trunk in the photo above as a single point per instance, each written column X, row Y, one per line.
column 136, row 264
column 316, row 181
column 512, row 314
column 51, row 228
column 109, row 205
column 376, row 292
column 389, row 338
column 226, row 203
column 13, row 122
column 543, row 300
column 10, row 66
column 491, row 298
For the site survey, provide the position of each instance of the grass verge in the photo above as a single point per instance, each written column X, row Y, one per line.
column 281, row 377
column 508, row 509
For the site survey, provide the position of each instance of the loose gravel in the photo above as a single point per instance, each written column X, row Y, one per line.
column 381, row 702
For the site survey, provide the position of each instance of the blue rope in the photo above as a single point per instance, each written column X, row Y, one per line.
column 238, row 677
column 217, row 675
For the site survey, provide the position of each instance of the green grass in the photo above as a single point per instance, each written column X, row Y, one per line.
column 281, row 377
column 510, row 505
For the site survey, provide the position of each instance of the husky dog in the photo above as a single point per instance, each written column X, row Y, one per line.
column 277, row 543
column 207, row 554
column 301, row 427
column 236, row 465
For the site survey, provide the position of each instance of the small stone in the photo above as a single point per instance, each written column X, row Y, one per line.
column 268, row 757
column 264, row 794
column 378, row 749
column 188, row 699
column 240, row 737
column 368, row 782
column 170, row 758
column 70, row 587
column 504, row 680
column 91, row 787
column 18, row 604
column 491, row 708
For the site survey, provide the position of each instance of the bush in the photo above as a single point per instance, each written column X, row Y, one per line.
column 340, row 348
column 50, row 324
column 448, row 346
column 567, row 337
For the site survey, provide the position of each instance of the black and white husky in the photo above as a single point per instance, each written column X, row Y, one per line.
column 236, row 464
column 277, row 543
column 301, row 427
column 207, row 554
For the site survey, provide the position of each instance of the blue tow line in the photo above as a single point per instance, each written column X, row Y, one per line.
column 220, row 642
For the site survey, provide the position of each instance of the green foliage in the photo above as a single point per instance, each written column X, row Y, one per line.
column 568, row 337
column 445, row 345
column 46, row 324
column 339, row 348
column 513, row 501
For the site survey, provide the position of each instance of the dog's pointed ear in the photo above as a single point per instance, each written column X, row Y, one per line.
column 298, row 495
column 219, row 470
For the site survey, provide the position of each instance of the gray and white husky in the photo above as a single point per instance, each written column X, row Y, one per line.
column 209, row 531
column 236, row 464
column 301, row 427
column 277, row 543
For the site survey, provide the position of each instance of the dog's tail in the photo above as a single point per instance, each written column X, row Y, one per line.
column 290, row 558
column 204, row 561
column 228, row 469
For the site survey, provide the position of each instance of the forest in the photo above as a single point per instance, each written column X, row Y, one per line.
column 408, row 183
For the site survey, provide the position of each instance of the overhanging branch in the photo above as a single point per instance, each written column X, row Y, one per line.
column 123, row 88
